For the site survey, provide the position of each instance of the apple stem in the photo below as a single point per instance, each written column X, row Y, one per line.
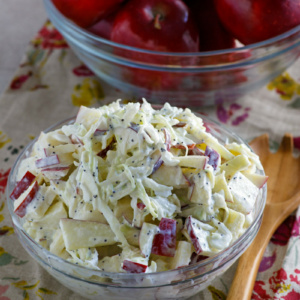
column 157, row 21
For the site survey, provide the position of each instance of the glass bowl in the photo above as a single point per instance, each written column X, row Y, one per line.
column 184, row 79
column 180, row 283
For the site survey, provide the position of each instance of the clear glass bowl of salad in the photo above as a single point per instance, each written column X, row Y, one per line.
column 163, row 273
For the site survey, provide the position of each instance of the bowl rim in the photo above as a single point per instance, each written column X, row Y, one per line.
column 129, row 276
column 266, row 43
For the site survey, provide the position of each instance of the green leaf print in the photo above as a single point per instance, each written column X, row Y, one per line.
column 295, row 104
column 5, row 259
column 216, row 294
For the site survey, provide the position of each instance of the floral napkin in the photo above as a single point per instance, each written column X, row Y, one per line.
column 50, row 85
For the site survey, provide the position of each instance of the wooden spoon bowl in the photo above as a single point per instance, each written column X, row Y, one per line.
column 283, row 198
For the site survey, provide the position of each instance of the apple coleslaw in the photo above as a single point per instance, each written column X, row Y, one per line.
column 127, row 188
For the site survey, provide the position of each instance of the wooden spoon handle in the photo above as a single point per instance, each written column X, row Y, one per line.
column 245, row 275
column 244, row 279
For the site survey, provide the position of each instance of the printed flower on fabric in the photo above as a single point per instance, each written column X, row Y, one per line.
column 20, row 80
column 285, row 86
column 3, row 179
column 82, row 71
column 49, row 38
column 87, row 93
column 29, row 289
column 259, row 291
column 296, row 227
column 234, row 115
column 278, row 281
column 3, row 289
column 284, row 231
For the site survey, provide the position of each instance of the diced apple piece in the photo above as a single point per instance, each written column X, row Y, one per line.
column 57, row 245
column 87, row 213
column 221, row 185
column 214, row 158
column 238, row 163
column 131, row 234
column 147, row 234
column 182, row 255
column 234, row 221
column 168, row 140
column 47, row 161
column 221, row 238
column 111, row 263
column 25, row 199
column 55, row 172
column 192, row 161
column 170, row 176
column 198, row 211
column 244, row 193
column 133, row 267
column 55, row 212
column 42, row 201
column 124, row 209
column 22, row 185
column 164, row 242
column 198, row 233
column 200, row 191
column 257, row 179
column 82, row 234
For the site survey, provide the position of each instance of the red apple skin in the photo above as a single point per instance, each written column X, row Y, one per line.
column 47, row 161
column 213, row 35
column 85, row 13
column 252, row 21
column 164, row 242
column 22, row 185
column 133, row 267
column 160, row 25
column 104, row 26
column 21, row 209
column 213, row 157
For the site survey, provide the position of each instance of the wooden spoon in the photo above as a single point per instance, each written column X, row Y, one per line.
column 283, row 197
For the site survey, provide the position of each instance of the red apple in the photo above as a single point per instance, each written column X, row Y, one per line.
column 164, row 242
column 47, row 161
column 197, row 235
column 213, row 35
column 252, row 21
column 160, row 25
column 85, row 13
column 21, row 209
column 133, row 267
column 103, row 27
column 22, row 185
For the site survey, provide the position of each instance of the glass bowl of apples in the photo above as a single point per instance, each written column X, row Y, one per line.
column 190, row 53
column 173, row 283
